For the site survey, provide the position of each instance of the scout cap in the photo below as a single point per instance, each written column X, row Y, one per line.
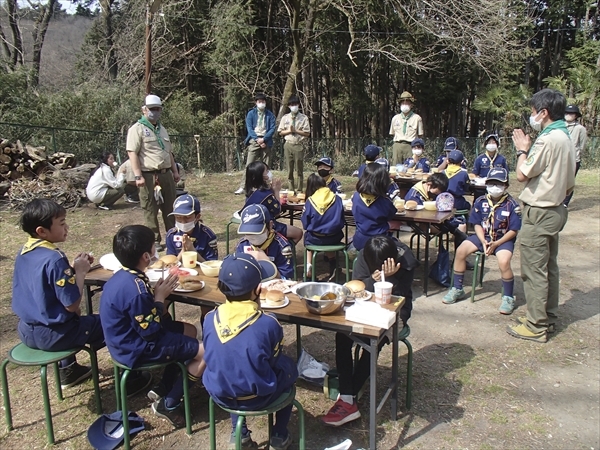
column 451, row 144
column 371, row 152
column 241, row 273
column 492, row 136
column 325, row 160
column 456, row 156
column 418, row 141
column 384, row 162
column 407, row 96
column 254, row 219
column 293, row 100
column 573, row 109
column 498, row 174
column 185, row 205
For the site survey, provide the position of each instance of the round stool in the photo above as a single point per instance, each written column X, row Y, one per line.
column 316, row 249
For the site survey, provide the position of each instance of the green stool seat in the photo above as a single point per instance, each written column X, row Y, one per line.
column 235, row 220
column 122, row 373
column 284, row 400
column 23, row 355
column 316, row 249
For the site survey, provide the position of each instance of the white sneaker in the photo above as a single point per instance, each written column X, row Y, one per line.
column 239, row 191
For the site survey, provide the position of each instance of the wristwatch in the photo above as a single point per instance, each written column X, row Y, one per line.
column 139, row 177
column 521, row 152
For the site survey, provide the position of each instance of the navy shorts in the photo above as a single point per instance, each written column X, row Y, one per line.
column 170, row 347
column 281, row 228
column 171, row 325
column 334, row 239
column 77, row 332
column 510, row 245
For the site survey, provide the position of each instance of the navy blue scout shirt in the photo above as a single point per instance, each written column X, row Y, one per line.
column 440, row 160
column 243, row 357
column 418, row 193
column 458, row 186
column 371, row 216
column 323, row 213
column 496, row 219
column 483, row 164
column 334, row 185
column 265, row 197
column 204, row 239
column 130, row 317
column 277, row 248
column 43, row 284
column 417, row 164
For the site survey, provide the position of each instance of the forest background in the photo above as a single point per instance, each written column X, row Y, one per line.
column 471, row 64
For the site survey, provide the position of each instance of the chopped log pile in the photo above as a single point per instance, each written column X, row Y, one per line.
column 27, row 172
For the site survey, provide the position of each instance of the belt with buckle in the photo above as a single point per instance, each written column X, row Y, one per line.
column 156, row 172
column 403, row 142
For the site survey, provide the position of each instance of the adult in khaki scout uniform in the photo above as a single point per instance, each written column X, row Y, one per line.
column 405, row 127
column 294, row 127
column 578, row 137
column 260, row 124
column 153, row 165
column 548, row 168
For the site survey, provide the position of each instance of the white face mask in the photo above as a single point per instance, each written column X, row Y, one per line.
column 154, row 257
column 115, row 164
column 185, row 227
column 258, row 239
column 261, row 105
column 495, row 191
column 537, row 126
column 270, row 176
column 294, row 109
column 404, row 108
column 154, row 116
column 570, row 117
column 491, row 148
column 417, row 152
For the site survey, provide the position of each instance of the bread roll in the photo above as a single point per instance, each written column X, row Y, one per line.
column 274, row 298
column 411, row 205
column 165, row 261
column 301, row 196
column 356, row 286
column 190, row 282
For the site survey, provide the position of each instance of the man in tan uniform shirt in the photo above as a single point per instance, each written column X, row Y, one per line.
column 152, row 162
column 405, row 127
column 295, row 128
column 548, row 168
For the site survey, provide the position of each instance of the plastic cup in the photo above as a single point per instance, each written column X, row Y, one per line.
column 283, row 197
column 189, row 259
column 399, row 204
column 383, row 292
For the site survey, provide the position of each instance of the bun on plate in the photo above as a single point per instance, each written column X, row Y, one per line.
column 274, row 298
column 190, row 282
column 263, row 294
column 165, row 261
column 356, row 286
column 410, row 205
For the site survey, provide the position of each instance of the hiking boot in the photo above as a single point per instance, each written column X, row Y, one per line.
column 157, row 392
column 175, row 415
column 521, row 331
column 453, row 296
column 104, row 208
column 341, row 413
column 240, row 191
column 279, row 443
column 523, row 320
column 138, row 382
column 508, row 305
column 132, row 199
column 74, row 374
column 247, row 441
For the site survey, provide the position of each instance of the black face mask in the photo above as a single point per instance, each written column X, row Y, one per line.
column 324, row 173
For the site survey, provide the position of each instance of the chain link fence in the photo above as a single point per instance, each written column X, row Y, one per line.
column 214, row 154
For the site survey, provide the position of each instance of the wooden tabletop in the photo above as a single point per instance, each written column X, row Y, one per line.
column 295, row 312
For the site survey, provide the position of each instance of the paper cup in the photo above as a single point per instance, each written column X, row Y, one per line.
column 383, row 292
column 283, row 194
column 399, row 204
column 189, row 259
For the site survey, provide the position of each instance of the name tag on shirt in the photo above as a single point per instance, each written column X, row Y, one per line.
column 505, row 213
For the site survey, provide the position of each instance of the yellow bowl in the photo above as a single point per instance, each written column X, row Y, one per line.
column 211, row 268
column 430, row 206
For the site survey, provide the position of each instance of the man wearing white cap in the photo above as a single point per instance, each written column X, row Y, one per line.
column 153, row 165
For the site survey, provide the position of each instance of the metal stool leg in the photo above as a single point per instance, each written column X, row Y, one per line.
column 301, row 436
column 6, row 396
column 475, row 276
column 47, row 410
column 123, row 392
column 186, row 398
column 95, row 378
column 212, row 425
column 409, row 365
column 238, row 433
column 59, row 392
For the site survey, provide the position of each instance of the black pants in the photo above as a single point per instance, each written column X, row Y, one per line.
column 570, row 196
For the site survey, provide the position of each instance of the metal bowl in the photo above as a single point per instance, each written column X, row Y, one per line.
column 307, row 292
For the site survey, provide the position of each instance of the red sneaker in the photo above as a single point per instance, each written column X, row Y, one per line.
column 341, row 413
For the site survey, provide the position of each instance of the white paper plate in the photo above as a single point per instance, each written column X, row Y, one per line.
column 362, row 299
column 292, row 284
column 286, row 301
column 110, row 262
column 418, row 208
column 190, row 290
column 155, row 275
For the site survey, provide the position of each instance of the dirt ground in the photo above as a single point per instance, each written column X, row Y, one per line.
column 474, row 386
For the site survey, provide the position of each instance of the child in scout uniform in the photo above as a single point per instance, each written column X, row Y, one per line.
column 450, row 144
column 426, row 191
column 190, row 234
column 491, row 158
column 322, row 219
column 371, row 153
column 458, row 179
column 393, row 189
column 245, row 366
column 262, row 241
column 324, row 169
column 371, row 207
column 137, row 328
column 497, row 220
column 47, row 290
column 417, row 161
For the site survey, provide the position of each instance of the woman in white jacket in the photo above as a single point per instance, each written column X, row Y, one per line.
column 104, row 188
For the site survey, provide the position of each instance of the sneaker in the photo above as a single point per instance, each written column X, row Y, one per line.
column 104, row 208
column 159, row 248
column 453, row 296
column 521, row 331
column 157, row 392
column 279, row 443
column 131, row 199
column 551, row 328
column 247, row 441
column 138, row 382
column 175, row 415
column 508, row 305
column 240, row 191
column 341, row 413
column 74, row 374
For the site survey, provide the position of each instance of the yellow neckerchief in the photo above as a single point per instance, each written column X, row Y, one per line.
column 322, row 199
column 142, row 276
column 265, row 245
column 328, row 179
column 368, row 199
column 33, row 243
column 231, row 318
column 452, row 170
column 493, row 207
column 421, row 189
column 492, row 159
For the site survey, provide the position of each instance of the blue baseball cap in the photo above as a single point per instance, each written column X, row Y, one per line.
column 492, row 136
column 371, row 152
column 451, row 144
column 242, row 273
column 106, row 433
column 499, row 174
column 456, row 156
column 186, row 204
column 384, row 162
column 254, row 219
column 325, row 160
column 418, row 141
